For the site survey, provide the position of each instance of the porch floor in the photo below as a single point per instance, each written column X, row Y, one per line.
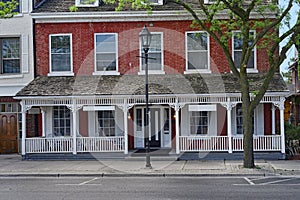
column 161, row 154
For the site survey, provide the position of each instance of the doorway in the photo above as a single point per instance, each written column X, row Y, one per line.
column 8, row 133
column 159, row 127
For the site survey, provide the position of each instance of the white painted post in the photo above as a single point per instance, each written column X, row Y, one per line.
column 125, row 111
column 282, row 128
column 23, row 128
column 74, row 115
column 229, row 130
column 273, row 119
column 43, row 122
column 177, row 127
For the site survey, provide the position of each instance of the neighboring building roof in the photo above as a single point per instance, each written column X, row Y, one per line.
column 135, row 85
column 64, row 5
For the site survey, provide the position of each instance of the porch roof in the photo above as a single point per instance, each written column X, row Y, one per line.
column 135, row 85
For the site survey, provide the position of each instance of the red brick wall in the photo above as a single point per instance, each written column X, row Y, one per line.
column 268, row 119
column 128, row 46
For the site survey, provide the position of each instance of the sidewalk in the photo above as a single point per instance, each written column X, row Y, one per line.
column 12, row 165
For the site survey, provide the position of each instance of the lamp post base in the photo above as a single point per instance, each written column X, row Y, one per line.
column 148, row 164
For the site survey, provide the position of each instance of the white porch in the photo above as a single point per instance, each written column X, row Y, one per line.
column 75, row 143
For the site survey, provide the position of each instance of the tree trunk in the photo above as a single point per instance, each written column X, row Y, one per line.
column 248, row 137
column 247, row 120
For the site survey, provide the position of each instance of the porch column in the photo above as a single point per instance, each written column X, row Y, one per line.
column 23, row 128
column 125, row 111
column 43, row 122
column 177, row 128
column 273, row 119
column 229, row 105
column 229, row 131
column 281, row 108
column 74, row 108
column 177, row 106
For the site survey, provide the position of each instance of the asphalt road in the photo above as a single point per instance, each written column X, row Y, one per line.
column 141, row 188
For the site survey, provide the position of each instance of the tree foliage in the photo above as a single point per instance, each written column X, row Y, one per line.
column 265, row 17
column 7, row 8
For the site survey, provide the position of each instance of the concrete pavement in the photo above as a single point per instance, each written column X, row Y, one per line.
column 13, row 165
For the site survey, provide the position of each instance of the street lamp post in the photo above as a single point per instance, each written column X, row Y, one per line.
column 145, row 36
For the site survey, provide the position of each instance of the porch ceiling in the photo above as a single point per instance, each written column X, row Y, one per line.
column 135, row 85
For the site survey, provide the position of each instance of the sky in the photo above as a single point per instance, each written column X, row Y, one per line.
column 291, row 52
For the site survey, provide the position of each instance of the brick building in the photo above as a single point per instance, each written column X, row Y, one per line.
column 90, row 82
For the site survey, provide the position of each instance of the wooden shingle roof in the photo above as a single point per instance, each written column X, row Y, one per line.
column 135, row 85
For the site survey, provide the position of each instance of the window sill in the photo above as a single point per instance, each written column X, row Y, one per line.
column 198, row 71
column 61, row 74
column 106, row 73
column 11, row 76
column 152, row 72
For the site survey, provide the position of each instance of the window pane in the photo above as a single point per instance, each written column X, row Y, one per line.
column 237, row 43
column 199, row 122
column 155, row 54
column 60, row 53
column 10, row 51
column 197, row 60
column 197, row 50
column 106, row 52
column 106, row 123
column 61, row 121
column 197, row 41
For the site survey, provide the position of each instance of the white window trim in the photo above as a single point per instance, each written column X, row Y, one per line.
column 208, row 125
column 116, row 72
column 258, row 114
column 97, row 126
column 14, row 75
column 142, row 72
column 159, row 2
column 193, row 71
column 250, row 70
column 61, row 73
column 78, row 4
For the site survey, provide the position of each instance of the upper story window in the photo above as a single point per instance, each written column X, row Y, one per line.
column 86, row 3
column 106, row 53
column 61, row 54
column 155, row 54
column 237, row 51
column 10, row 56
column 18, row 10
column 156, row 2
column 197, row 52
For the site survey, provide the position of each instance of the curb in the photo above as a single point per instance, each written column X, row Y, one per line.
column 131, row 175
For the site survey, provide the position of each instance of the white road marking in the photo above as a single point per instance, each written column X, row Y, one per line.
column 85, row 182
column 278, row 181
column 249, row 181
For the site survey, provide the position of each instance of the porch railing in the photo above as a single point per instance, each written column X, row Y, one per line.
column 221, row 143
column 260, row 143
column 100, row 144
column 83, row 144
column 49, row 145
column 203, row 143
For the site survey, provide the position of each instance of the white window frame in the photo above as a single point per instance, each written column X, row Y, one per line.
column 98, row 125
column 14, row 75
column 258, row 122
column 158, row 2
column 116, row 72
column 78, row 4
column 161, row 71
column 187, row 70
column 61, row 73
column 70, row 119
column 250, row 70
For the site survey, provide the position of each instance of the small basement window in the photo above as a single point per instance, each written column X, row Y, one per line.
column 87, row 3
